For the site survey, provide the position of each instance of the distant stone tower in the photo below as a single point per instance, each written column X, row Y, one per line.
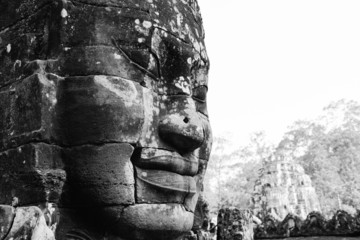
column 282, row 188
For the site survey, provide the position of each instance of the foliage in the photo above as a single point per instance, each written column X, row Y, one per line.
column 328, row 148
column 231, row 174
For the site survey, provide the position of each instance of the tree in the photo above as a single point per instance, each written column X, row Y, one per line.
column 233, row 172
column 329, row 150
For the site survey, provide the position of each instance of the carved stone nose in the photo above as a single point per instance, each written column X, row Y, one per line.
column 184, row 133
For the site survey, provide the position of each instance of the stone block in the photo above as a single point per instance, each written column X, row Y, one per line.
column 99, row 109
column 94, row 222
column 26, row 111
column 31, row 156
column 98, row 175
column 29, row 224
column 155, row 186
column 100, row 24
column 14, row 11
column 7, row 215
column 97, row 60
column 235, row 224
column 26, row 41
column 155, row 221
column 32, row 173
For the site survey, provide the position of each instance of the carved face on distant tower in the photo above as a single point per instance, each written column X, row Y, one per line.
column 131, row 111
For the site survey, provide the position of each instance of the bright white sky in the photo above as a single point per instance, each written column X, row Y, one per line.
column 277, row 61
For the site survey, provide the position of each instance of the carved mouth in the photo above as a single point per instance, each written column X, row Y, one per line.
column 165, row 177
column 156, row 159
column 167, row 181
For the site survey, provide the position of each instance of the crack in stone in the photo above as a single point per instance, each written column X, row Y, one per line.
column 147, row 11
column 172, row 34
column 11, row 225
column 183, row 41
column 18, row 22
column 62, row 145
column 133, row 62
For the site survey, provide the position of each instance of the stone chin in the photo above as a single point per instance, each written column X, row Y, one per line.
column 154, row 221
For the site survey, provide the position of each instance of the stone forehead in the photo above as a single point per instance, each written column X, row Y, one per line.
column 181, row 17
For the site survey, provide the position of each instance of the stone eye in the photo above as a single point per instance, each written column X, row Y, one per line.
column 199, row 93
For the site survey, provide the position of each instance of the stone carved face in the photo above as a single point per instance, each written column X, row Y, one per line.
column 131, row 111
column 103, row 114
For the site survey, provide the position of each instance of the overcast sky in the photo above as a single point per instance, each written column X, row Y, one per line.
column 276, row 61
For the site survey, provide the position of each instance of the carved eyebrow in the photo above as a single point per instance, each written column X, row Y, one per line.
column 118, row 47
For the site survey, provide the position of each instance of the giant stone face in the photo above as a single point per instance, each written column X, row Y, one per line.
column 124, row 86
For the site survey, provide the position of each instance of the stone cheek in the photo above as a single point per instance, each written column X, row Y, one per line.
column 99, row 109
column 98, row 176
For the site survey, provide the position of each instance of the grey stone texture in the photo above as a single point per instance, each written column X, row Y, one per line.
column 341, row 226
column 282, row 188
column 235, row 224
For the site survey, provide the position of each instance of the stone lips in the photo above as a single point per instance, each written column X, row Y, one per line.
column 151, row 158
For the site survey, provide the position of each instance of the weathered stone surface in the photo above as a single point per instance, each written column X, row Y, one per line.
column 155, row 221
column 99, row 109
column 97, row 60
column 29, row 39
column 98, row 175
column 202, row 215
column 319, row 238
column 314, row 225
column 173, row 123
column 342, row 225
column 88, row 223
column 29, row 224
column 152, row 158
column 32, row 173
column 106, row 80
column 7, row 215
column 18, row 10
column 27, row 111
column 284, row 188
column 235, row 224
column 154, row 186
column 104, row 23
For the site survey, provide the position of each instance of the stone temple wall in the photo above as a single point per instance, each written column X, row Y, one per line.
column 283, row 187
column 236, row 224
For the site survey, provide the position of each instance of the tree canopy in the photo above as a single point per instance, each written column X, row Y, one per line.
column 328, row 148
